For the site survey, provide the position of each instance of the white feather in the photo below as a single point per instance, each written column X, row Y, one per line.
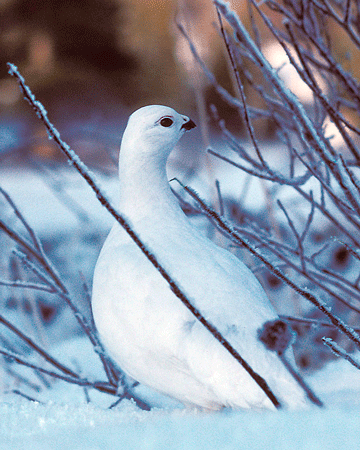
column 145, row 327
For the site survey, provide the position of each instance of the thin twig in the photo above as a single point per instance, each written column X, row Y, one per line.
column 36, row 347
column 68, row 378
column 338, row 351
column 26, row 285
column 31, row 399
column 314, row 322
column 16, row 210
column 310, row 394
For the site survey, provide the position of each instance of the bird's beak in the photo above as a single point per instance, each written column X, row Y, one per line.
column 188, row 125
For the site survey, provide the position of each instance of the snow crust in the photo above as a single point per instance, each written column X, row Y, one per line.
column 27, row 425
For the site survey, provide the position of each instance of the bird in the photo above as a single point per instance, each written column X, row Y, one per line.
column 149, row 333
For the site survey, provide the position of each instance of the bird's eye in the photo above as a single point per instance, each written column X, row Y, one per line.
column 166, row 122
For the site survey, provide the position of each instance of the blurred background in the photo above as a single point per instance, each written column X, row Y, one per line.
column 92, row 62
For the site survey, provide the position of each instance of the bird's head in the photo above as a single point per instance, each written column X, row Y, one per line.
column 155, row 130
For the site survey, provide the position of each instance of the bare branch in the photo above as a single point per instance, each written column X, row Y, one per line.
column 31, row 399
column 70, row 379
column 338, row 351
column 45, row 355
column 16, row 210
column 314, row 322
column 26, row 285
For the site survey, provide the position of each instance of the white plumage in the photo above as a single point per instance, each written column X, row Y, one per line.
column 144, row 326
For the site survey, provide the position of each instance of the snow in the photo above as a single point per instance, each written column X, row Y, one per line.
column 80, row 426
column 65, row 421
column 30, row 192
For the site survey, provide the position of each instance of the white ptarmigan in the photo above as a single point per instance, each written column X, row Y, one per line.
column 146, row 329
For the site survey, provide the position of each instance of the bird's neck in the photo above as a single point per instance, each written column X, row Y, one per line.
column 145, row 193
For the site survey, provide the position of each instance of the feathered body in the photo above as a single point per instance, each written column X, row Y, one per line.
column 145, row 327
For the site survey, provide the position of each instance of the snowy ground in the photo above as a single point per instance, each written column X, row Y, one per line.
column 73, row 424
column 62, row 427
